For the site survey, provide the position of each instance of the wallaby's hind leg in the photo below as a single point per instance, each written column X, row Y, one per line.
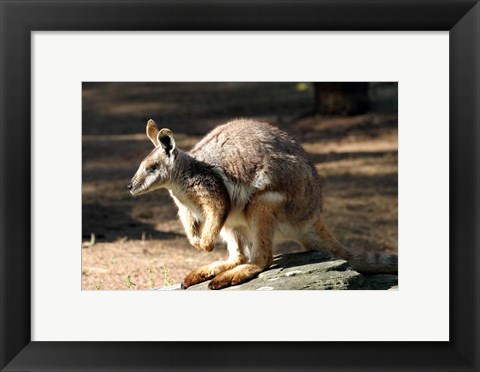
column 261, row 220
column 236, row 246
column 320, row 238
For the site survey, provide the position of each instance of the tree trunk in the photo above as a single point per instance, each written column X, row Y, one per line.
column 341, row 98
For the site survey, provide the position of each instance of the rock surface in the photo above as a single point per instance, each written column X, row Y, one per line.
column 308, row 270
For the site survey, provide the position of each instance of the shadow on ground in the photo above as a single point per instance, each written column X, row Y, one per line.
column 114, row 222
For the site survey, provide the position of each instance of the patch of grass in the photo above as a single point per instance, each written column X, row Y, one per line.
column 151, row 281
column 90, row 243
column 166, row 276
column 128, row 282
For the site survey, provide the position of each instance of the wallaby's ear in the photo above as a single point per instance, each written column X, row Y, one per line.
column 166, row 140
column 152, row 132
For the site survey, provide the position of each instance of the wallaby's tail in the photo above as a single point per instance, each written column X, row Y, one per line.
column 368, row 263
column 374, row 263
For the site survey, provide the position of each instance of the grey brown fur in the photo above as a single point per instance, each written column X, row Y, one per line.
column 253, row 185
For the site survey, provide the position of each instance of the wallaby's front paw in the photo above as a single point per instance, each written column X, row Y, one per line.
column 202, row 245
column 195, row 242
column 207, row 247
column 195, row 277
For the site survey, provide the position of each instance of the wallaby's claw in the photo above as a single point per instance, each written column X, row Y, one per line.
column 196, row 245
column 207, row 247
column 224, row 280
column 216, row 285
column 219, row 284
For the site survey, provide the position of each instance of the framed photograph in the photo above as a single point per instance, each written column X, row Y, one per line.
column 80, row 83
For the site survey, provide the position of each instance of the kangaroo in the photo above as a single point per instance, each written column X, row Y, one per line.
column 253, row 185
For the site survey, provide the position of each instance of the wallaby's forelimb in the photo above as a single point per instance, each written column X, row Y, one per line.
column 190, row 224
column 211, row 226
column 210, row 206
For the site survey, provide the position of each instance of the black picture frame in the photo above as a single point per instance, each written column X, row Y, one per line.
column 18, row 18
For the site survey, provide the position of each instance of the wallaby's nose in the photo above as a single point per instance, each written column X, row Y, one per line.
column 129, row 186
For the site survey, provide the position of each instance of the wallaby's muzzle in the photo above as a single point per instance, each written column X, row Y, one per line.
column 135, row 186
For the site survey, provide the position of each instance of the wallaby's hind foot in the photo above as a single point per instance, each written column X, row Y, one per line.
column 206, row 272
column 237, row 275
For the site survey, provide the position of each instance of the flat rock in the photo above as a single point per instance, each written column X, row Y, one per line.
column 308, row 270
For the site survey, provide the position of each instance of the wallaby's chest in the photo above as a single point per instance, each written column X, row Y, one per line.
column 183, row 202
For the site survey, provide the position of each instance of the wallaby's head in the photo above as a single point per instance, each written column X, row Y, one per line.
column 155, row 170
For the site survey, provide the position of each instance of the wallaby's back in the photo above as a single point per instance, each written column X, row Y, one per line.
column 256, row 157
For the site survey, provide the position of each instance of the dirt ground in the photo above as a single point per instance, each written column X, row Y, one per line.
column 138, row 243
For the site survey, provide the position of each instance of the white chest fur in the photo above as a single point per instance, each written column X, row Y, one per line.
column 183, row 202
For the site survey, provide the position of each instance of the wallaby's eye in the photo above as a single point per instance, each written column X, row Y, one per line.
column 150, row 169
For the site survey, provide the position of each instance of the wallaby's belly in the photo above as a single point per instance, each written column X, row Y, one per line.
column 236, row 218
column 282, row 230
